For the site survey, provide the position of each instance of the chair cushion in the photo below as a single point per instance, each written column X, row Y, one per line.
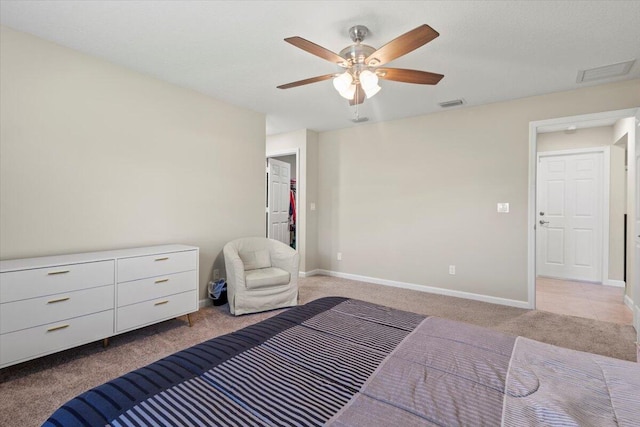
column 266, row 278
column 254, row 260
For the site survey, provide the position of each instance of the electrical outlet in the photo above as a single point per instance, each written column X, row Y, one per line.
column 339, row 256
column 452, row 270
column 216, row 274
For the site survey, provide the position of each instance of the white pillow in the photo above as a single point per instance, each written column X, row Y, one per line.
column 253, row 260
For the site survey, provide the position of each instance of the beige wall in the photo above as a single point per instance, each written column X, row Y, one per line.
column 94, row 156
column 601, row 136
column 312, row 197
column 404, row 199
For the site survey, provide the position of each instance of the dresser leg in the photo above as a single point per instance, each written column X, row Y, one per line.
column 189, row 319
column 105, row 343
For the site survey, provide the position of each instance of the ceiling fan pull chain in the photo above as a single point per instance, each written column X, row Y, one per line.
column 357, row 105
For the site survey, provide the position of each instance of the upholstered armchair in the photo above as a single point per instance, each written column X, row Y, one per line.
column 262, row 274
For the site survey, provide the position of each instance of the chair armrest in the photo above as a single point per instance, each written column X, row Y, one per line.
column 284, row 257
column 234, row 268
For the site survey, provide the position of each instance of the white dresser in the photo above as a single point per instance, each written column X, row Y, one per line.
column 49, row 304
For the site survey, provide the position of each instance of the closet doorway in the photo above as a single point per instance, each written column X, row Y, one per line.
column 282, row 198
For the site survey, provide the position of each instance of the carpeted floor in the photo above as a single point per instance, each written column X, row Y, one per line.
column 30, row 392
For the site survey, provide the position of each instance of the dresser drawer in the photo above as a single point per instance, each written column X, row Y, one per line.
column 39, row 311
column 29, row 343
column 37, row 282
column 155, row 265
column 155, row 287
column 148, row 312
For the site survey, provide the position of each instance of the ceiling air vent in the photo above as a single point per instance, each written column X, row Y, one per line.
column 452, row 103
column 605, row 72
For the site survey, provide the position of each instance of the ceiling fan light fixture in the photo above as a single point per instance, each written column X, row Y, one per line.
column 343, row 81
column 369, row 83
column 348, row 92
column 370, row 92
column 368, row 79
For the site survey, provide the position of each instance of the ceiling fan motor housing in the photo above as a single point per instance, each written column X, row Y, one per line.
column 356, row 53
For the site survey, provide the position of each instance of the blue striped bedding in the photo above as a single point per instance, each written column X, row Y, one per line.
column 344, row 362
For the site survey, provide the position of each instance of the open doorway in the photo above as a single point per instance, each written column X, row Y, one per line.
column 578, row 260
column 282, row 198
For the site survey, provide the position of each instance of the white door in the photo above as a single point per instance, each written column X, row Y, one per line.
column 278, row 188
column 569, row 218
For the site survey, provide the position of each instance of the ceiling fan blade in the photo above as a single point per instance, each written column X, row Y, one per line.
column 316, row 50
column 306, row 81
column 409, row 76
column 358, row 98
column 402, row 45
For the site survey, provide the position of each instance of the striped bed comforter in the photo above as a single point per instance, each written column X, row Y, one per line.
column 344, row 362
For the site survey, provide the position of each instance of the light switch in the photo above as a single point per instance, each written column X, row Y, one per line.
column 503, row 207
column 312, row 206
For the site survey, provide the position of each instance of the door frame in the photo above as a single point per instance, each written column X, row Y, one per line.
column 605, row 116
column 606, row 196
column 281, row 153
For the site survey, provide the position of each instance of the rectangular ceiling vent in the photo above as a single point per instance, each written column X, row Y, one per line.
column 605, row 72
column 452, row 103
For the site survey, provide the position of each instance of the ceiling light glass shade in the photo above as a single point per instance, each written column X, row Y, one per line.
column 369, row 83
column 371, row 91
column 348, row 92
column 342, row 82
column 368, row 80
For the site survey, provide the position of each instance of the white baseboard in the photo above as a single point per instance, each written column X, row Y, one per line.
column 309, row 273
column 636, row 316
column 628, row 302
column 616, row 283
column 429, row 289
column 204, row 302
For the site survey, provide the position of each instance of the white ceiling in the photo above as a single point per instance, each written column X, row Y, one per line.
column 234, row 51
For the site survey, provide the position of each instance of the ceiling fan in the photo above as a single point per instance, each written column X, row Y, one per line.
column 362, row 63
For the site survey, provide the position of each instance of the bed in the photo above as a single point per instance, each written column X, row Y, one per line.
column 344, row 362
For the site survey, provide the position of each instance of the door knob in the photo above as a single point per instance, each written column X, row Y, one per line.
column 543, row 222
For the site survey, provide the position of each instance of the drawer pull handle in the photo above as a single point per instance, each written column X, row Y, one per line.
column 51, row 273
column 57, row 328
column 162, row 302
column 58, row 300
column 162, row 259
column 162, row 280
